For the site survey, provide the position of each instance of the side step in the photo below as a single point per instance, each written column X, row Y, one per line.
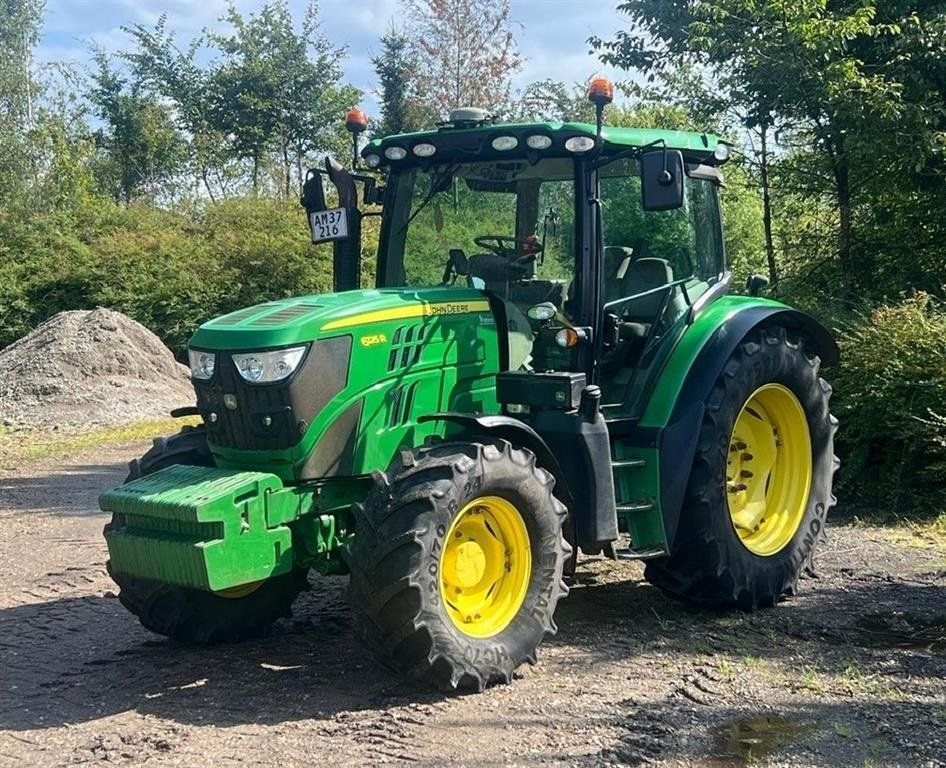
column 640, row 514
column 638, row 554
column 629, row 553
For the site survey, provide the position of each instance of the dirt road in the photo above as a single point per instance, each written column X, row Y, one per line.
column 850, row 672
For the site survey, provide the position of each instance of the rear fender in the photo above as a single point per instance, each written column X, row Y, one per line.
column 675, row 412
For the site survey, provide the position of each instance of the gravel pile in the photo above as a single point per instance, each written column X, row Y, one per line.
column 89, row 368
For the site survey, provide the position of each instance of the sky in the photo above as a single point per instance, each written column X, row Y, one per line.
column 552, row 35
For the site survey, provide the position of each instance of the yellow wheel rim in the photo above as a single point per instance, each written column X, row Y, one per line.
column 485, row 566
column 768, row 473
column 242, row 590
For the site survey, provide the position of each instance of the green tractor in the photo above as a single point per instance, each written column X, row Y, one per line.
column 549, row 363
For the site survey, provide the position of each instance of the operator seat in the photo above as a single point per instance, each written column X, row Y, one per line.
column 638, row 316
column 644, row 275
column 617, row 263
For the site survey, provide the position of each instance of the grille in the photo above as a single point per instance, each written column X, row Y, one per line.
column 289, row 406
column 402, row 403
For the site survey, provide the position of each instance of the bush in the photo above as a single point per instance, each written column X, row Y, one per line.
column 168, row 270
column 891, row 391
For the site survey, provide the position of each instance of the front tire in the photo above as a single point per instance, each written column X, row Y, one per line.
column 194, row 615
column 457, row 562
column 760, row 487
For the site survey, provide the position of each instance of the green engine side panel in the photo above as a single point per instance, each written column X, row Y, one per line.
column 414, row 352
column 203, row 528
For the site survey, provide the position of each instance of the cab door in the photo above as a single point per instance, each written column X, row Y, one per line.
column 654, row 266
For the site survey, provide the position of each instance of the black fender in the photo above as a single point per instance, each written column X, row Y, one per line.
column 515, row 431
column 677, row 440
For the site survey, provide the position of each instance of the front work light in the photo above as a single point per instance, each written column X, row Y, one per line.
column 580, row 144
column 202, row 364
column 267, row 367
column 395, row 153
column 424, row 150
column 538, row 141
column 505, row 143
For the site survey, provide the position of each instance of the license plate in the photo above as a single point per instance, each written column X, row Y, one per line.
column 329, row 225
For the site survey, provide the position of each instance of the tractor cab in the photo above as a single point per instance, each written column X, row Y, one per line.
column 592, row 244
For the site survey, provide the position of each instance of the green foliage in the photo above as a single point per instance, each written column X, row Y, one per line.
column 141, row 147
column 20, row 22
column 167, row 270
column 268, row 101
column 394, row 66
column 891, row 389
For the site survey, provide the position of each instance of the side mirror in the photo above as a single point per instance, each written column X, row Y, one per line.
column 662, row 175
column 756, row 284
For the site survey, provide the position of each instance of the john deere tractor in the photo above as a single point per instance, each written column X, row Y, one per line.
column 549, row 362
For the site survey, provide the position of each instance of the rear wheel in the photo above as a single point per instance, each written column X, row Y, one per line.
column 456, row 565
column 760, row 487
column 193, row 615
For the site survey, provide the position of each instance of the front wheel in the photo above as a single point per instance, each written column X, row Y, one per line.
column 760, row 487
column 457, row 561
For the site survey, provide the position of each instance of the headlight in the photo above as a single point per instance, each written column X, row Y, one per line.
column 202, row 363
column 266, row 367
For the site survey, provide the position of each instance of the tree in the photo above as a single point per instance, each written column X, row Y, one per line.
column 277, row 90
column 175, row 76
column 466, row 53
column 20, row 22
column 141, row 145
column 792, row 67
column 394, row 67
column 271, row 98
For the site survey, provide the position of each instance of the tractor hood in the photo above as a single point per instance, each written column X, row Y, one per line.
column 306, row 318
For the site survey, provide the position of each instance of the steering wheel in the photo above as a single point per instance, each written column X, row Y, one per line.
column 522, row 250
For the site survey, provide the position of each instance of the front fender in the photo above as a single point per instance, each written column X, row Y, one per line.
column 515, row 431
column 675, row 412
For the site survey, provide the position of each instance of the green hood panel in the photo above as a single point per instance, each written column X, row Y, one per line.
column 302, row 319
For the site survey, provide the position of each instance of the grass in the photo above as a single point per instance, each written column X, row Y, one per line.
column 851, row 681
column 19, row 447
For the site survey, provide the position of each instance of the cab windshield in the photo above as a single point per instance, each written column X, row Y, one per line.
column 506, row 227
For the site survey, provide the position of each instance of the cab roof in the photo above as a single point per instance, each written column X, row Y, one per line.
column 474, row 142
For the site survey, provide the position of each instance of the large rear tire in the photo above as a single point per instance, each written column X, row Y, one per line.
column 760, row 487
column 193, row 615
column 456, row 564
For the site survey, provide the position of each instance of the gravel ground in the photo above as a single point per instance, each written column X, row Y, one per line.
column 850, row 672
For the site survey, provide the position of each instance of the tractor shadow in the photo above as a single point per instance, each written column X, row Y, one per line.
column 868, row 615
column 81, row 658
column 77, row 659
column 73, row 489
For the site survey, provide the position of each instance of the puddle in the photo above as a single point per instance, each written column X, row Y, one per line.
column 902, row 630
column 744, row 741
